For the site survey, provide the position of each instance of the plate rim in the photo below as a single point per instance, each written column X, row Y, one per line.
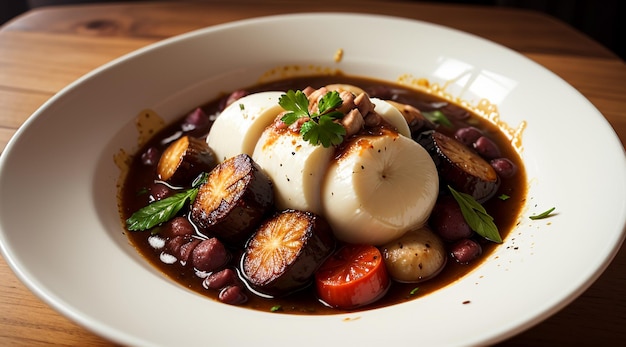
column 123, row 336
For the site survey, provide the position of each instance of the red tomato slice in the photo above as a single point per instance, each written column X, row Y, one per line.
column 353, row 276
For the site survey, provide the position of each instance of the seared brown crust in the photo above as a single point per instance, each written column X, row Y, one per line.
column 284, row 253
column 461, row 167
column 184, row 160
column 234, row 201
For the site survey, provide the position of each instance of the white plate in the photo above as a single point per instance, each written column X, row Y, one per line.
column 62, row 235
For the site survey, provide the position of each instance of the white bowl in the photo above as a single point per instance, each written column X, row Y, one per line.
column 61, row 233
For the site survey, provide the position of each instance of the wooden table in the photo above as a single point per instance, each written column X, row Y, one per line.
column 46, row 49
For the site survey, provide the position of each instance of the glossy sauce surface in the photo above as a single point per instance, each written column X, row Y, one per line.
column 505, row 212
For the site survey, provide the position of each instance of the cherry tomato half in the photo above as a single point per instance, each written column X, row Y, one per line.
column 353, row 276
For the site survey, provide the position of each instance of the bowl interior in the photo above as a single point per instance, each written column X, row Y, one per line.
column 62, row 234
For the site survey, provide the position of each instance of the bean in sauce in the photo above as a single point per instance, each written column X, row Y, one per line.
column 180, row 235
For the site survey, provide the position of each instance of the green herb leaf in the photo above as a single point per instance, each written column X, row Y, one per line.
column 476, row 216
column 320, row 128
column 200, row 180
column 544, row 214
column 414, row 291
column 329, row 101
column 276, row 308
column 142, row 191
column 504, row 197
column 296, row 103
column 326, row 132
column 289, row 118
column 438, row 117
column 333, row 115
column 159, row 211
column 164, row 210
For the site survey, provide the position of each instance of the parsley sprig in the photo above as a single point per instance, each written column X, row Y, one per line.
column 164, row 210
column 476, row 216
column 321, row 126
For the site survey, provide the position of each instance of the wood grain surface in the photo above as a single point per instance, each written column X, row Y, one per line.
column 46, row 49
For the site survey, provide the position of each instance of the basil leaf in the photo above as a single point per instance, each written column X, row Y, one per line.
column 476, row 216
column 200, row 180
column 159, row 211
column 164, row 210
column 438, row 117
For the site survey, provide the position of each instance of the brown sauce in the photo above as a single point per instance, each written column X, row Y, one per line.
column 505, row 212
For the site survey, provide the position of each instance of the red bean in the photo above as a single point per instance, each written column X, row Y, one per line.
column 504, row 167
column 159, row 191
column 179, row 226
column 187, row 249
column 447, row 220
column 234, row 96
column 451, row 110
column 150, row 156
column 220, row 279
column 197, row 122
column 232, row 295
column 465, row 251
column 487, row 148
column 468, row 135
column 210, row 255
column 179, row 248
